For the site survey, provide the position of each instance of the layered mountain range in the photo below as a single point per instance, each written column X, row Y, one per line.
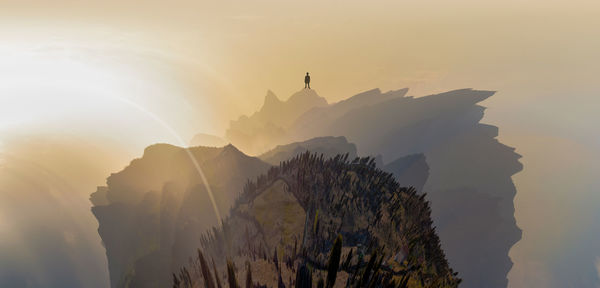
column 153, row 213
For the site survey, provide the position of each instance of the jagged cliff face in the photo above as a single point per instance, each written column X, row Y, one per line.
column 152, row 213
column 469, row 183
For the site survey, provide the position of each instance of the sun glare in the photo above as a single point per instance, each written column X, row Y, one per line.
column 67, row 87
column 56, row 86
column 42, row 80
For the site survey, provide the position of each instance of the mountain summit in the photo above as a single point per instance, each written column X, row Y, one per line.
column 284, row 113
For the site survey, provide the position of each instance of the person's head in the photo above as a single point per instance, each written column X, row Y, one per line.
column 307, row 73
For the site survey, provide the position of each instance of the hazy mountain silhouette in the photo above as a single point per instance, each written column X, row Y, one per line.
column 259, row 132
column 467, row 166
column 326, row 146
column 409, row 171
column 153, row 212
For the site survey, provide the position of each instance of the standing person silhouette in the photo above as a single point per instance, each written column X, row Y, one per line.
column 306, row 81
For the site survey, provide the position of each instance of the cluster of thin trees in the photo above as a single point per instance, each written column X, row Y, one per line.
column 387, row 227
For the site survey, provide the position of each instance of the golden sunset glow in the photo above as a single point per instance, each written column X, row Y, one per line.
column 122, row 75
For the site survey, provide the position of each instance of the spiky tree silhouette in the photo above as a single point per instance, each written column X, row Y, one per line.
column 304, row 277
column 373, row 213
column 249, row 275
column 216, row 274
column 208, row 281
column 334, row 261
column 231, row 275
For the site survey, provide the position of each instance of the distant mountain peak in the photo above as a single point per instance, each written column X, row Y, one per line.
column 229, row 148
column 271, row 99
column 306, row 99
column 303, row 95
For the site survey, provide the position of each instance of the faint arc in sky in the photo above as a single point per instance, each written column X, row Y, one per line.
column 184, row 146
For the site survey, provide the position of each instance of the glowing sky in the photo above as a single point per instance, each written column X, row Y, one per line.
column 138, row 72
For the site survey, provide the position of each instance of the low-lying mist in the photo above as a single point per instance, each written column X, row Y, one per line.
column 48, row 235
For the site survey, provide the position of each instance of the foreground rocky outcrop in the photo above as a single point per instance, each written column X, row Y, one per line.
column 286, row 222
